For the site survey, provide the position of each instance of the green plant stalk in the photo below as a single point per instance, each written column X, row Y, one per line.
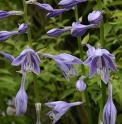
column 84, row 96
column 26, row 21
column 30, row 44
column 102, row 43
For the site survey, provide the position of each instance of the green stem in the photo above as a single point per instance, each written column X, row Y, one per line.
column 30, row 44
column 83, row 71
column 26, row 21
column 102, row 43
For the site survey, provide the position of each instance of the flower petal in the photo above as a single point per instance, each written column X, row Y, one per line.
column 93, row 67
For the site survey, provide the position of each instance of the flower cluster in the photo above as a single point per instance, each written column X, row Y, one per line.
column 99, row 60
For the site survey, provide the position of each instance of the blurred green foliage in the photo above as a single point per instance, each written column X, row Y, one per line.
column 52, row 84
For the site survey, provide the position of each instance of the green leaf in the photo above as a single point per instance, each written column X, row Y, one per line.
column 68, row 92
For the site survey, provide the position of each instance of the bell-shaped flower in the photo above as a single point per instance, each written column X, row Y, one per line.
column 100, row 61
column 44, row 7
column 4, row 14
column 29, row 60
column 21, row 99
column 69, row 3
column 79, row 29
column 59, row 108
column 4, row 35
column 80, row 85
column 9, row 57
column 109, row 111
column 56, row 12
column 65, row 63
column 23, row 28
column 56, row 31
column 95, row 17
column 38, row 109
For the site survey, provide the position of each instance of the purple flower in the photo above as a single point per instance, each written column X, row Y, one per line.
column 59, row 108
column 80, row 85
column 56, row 12
column 4, row 14
column 4, row 35
column 29, row 61
column 65, row 63
column 95, row 17
column 100, row 61
column 23, row 28
column 79, row 29
column 69, row 3
column 56, row 31
column 9, row 57
column 38, row 108
column 109, row 111
column 45, row 7
column 21, row 99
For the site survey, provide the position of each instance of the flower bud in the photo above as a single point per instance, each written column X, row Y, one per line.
column 21, row 99
column 4, row 14
column 44, row 7
column 4, row 35
column 56, row 12
column 23, row 28
column 95, row 17
column 38, row 108
column 56, row 31
column 109, row 111
column 80, row 85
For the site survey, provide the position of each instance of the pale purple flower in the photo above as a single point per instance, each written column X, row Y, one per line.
column 95, row 17
column 80, row 29
column 44, row 7
column 65, row 63
column 29, row 61
column 59, row 108
column 56, row 31
column 80, row 84
column 69, row 3
column 109, row 111
column 56, row 12
column 23, row 28
column 4, row 14
column 21, row 99
column 38, row 109
column 4, row 35
column 100, row 61
column 9, row 57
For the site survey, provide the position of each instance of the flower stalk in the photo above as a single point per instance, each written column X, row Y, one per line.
column 30, row 44
column 85, row 93
column 102, row 44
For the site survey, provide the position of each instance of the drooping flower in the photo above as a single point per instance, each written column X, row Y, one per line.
column 4, row 14
column 59, row 108
column 65, row 63
column 29, row 60
column 79, row 29
column 100, row 61
column 38, row 109
column 9, row 57
column 21, row 99
column 80, row 85
column 56, row 12
column 95, row 17
column 23, row 28
column 69, row 3
column 44, row 7
column 109, row 111
column 56, row 31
